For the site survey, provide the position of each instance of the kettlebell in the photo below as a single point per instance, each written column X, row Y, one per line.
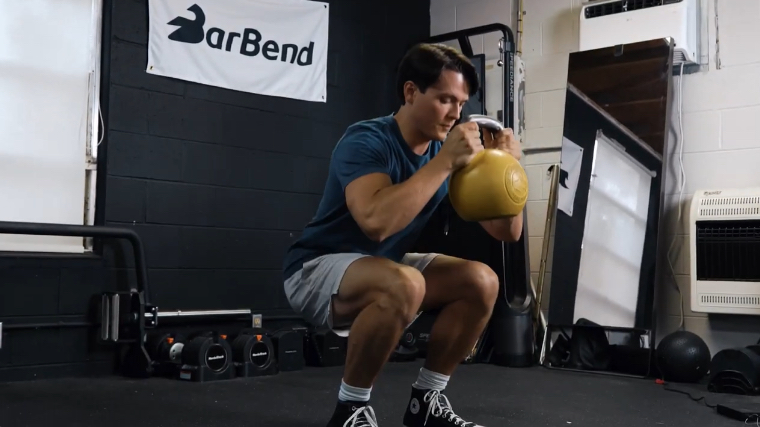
column 493, row 185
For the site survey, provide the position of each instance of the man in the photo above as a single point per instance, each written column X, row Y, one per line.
column 350, row 270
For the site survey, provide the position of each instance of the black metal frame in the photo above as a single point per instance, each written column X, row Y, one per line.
column 509, row 49
column 516, row 304
column 463, row 37
column 39, row 325
column 135, row 319
column 42, row 229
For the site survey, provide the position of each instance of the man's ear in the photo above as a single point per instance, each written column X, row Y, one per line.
column 410, row 92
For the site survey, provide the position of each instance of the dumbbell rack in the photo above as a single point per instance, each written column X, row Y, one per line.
column 123, row 317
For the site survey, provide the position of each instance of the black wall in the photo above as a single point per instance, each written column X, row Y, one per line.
column 217, row 183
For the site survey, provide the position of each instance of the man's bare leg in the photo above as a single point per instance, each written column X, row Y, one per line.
column 465, row 291
column 380, row 298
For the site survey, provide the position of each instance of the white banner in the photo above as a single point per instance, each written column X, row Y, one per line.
column 267, row 47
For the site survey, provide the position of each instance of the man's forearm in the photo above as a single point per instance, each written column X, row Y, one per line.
column 505, row 229
column 394, row 207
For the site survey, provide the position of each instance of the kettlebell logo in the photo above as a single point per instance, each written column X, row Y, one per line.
column 189, row 31
column 414, row 406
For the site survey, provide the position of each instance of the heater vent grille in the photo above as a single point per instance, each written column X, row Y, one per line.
column 731, row 300
column 729, row 206
column 728, row 250
column 728, row 212
column 611, row 8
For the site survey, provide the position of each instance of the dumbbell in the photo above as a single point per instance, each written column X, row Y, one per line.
column 253, row 353
column 207, row 349
column 406, row 350
column 165, row 350
column 206, row 356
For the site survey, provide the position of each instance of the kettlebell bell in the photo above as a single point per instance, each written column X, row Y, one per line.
column 493, row 185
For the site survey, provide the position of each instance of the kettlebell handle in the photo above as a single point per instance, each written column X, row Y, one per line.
column 486, row 122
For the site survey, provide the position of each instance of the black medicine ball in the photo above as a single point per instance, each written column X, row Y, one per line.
column 683, row 357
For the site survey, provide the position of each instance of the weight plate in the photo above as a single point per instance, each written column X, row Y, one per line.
column 260, row 354
column 216, row 357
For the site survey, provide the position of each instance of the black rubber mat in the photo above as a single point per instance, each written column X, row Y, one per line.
column 490, row 395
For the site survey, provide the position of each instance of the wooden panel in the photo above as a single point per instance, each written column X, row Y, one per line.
column 631, row 83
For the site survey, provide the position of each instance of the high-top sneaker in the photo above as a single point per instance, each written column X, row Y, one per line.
column 430, row 408
column 353, row 414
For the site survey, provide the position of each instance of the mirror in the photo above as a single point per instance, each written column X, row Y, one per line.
column 609, row 208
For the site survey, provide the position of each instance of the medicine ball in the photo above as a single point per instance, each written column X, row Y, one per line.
column 683, row 357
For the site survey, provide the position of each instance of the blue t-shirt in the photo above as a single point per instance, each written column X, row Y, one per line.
column 368, row 146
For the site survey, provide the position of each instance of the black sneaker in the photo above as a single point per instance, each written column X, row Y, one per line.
column 430, row 408
column 353, row 414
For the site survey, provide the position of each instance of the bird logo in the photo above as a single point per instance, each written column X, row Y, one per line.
column 189, row 31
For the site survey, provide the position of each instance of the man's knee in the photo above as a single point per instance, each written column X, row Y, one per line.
column 405, row 293
column 483, row 281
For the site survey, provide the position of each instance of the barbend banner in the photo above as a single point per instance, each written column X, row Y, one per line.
column 268, row 47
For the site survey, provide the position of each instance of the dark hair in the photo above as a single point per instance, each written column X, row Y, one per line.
column 424, row 62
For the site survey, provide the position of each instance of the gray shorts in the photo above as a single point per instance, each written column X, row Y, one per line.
column 310, row 290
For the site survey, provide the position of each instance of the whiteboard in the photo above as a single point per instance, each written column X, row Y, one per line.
column 613, row 239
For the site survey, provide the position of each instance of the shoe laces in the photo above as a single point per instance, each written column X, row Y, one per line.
column 440, row 407
column 362, row 417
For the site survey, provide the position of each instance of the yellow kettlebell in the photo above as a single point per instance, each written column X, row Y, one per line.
column 493, row 185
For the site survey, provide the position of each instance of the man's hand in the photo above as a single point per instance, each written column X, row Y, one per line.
column 503, row 140
column 504, row 229
column 462, row 144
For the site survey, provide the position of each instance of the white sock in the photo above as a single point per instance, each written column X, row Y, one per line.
column 429, row 380
column 349, row 393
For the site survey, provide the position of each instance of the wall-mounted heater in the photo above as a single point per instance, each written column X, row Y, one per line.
column 725, row 251
column 605, row 23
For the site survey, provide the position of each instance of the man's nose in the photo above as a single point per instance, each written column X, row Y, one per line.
column 455, row 113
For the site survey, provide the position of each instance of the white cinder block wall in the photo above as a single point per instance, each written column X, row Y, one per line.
column 721, row 121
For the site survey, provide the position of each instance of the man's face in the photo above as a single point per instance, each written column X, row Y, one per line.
column 437, row 110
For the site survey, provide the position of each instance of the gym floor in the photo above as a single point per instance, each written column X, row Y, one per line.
column 487, row 394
